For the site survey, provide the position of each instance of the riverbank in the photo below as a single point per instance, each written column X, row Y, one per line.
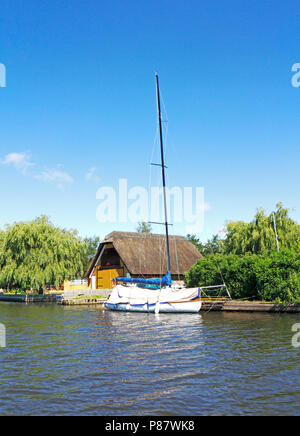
column 207, row 306
column 29, row 298
column 72, row 298
column 81, row 301
column 84, row 297
column 68, row 297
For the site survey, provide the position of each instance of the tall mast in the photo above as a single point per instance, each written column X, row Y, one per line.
column 163, row 173
column 275, row 230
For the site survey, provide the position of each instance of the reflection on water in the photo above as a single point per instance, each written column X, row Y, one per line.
column 78, row 360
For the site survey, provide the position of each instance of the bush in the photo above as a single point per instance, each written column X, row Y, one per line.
column 278, row 278
column 273, row 277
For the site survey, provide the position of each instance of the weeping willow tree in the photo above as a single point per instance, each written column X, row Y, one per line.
column 258, row 236
column 91, row 245
column 36, row 253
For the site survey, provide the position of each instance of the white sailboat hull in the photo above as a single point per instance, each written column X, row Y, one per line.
column 167, row 300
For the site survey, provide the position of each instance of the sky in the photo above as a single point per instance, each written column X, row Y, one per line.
column 78, row 112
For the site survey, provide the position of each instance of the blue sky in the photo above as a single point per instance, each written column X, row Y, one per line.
column 79, row 108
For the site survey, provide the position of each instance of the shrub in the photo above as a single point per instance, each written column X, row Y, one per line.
column 271, row 277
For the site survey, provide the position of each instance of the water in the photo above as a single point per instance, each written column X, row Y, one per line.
column 78, row 360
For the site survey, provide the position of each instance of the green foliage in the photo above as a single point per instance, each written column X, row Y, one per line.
column 212, row 246
column 36, row 253
column 248, row 261
column 268, row 277
column 255, row 237
column 144, row 227
column 91, row 245
column 14, row 292
column 258, row 236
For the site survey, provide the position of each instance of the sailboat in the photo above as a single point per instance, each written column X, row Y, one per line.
column 156, row 295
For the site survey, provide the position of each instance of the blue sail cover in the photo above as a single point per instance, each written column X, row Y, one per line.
column 165, row 281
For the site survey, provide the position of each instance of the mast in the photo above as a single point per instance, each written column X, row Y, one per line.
column 163, row 173
column 275, row 230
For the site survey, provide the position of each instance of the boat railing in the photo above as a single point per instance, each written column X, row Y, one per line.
column 211, row 288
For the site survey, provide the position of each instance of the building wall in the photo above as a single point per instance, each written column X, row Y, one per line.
column 103, row 276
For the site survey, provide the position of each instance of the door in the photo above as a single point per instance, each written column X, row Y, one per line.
column 105, row 277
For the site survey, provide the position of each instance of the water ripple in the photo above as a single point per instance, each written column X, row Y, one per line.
column 77, row 360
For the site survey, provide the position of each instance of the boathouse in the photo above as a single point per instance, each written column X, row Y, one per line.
column 139, row 255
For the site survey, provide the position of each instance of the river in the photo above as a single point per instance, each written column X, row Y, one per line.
column 62, row 360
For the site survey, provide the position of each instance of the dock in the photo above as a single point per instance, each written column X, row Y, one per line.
column 248, row 306
column 83, row 297
column 81, row 301
column 29, row 298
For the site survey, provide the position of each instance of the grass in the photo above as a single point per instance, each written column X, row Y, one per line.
column 89, row 297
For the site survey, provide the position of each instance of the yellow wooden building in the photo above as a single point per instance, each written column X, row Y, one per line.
column 129, row 254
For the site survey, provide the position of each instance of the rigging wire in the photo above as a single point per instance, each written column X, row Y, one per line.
column 152, row 156
column 222, row 277
column 176, row 254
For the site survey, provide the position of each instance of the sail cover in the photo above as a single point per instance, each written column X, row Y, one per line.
column 164, row 281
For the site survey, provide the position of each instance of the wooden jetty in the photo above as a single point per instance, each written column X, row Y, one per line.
column 223, row 305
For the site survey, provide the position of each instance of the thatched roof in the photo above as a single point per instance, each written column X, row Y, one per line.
column 145, row 253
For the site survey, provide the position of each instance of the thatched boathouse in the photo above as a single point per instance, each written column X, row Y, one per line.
column 129, row 254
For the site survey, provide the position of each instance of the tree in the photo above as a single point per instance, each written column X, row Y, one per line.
column 258, row 236
column 91, row 244
column 144, row 227
column 36, row 253
column 255, row 237
column 212, row 246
